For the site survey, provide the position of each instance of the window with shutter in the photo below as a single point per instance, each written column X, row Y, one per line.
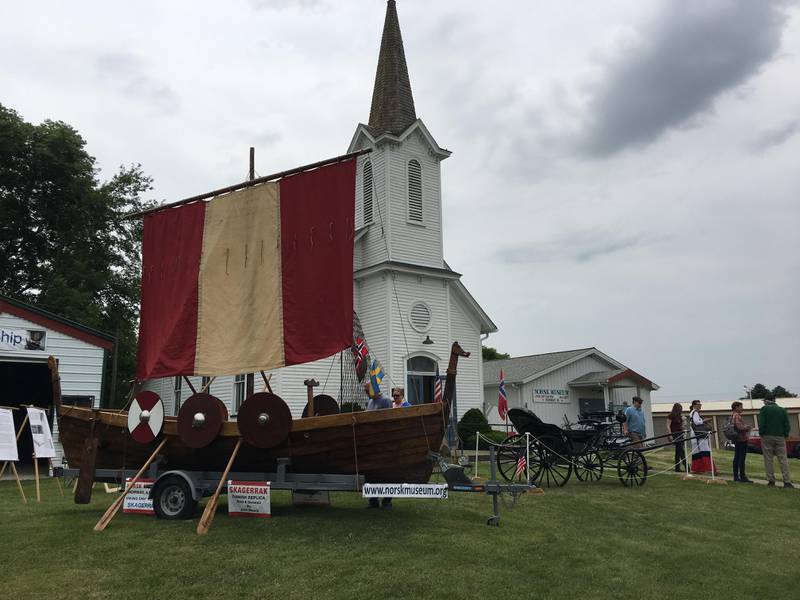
column 367, row 181
column 414, row 191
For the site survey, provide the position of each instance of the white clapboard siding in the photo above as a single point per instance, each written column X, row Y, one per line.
column 469, row 384
column 407, row 341
column 372, row 247
column 411, row 241
column 80, row 365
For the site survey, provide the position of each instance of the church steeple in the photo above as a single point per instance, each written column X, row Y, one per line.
column 392, row 103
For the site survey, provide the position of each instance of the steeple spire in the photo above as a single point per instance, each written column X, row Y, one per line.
column 392, row 103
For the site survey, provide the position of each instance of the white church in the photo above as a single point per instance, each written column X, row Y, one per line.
column 410, row 303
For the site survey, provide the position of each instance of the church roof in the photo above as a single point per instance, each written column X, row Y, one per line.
column 392, row 103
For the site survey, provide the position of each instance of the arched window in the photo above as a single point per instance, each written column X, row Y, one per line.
column 367, row 185
column 421, row 373
column 414, row 191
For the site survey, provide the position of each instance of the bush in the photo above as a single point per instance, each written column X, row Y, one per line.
column 498, row 437
column 472, row 421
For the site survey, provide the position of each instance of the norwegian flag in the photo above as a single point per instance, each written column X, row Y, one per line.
column 521, row 464
column 437, row 387
column 502, row 399
column 360, row 351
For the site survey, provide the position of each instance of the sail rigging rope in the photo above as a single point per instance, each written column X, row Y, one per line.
column 394, row 283
column 355, row 447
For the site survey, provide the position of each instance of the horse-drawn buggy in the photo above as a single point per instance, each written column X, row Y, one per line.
column 547, row 455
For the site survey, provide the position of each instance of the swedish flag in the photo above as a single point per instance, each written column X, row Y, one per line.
column 376, row 375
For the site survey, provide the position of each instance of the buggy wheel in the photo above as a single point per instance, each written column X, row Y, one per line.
column 589, row 466
column 509, row 456
column 632, row 468
column 554, row 465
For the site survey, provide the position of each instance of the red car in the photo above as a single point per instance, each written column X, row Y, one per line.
column 792, row 444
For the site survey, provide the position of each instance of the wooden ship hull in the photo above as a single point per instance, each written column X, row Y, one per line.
column 385, row 446
column 389, row 445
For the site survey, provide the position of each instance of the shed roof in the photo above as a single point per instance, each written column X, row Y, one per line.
column 49, row 320
column 525, row 367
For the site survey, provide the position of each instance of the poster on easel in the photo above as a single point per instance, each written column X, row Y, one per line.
column 40, row 432
column 8, row 437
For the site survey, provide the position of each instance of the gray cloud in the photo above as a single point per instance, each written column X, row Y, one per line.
column 776, row 136
column 579, row 247
column 285, row 4
column 690, row 54
column 129, row 73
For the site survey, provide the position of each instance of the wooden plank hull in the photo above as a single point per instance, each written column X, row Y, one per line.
column 388, row 445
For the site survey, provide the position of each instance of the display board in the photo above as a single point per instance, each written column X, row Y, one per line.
column 40, row 431
column 551, row 396
column 23, row 339
column 8, row 437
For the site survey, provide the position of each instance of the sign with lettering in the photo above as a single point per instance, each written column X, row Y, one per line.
column 8, row 437
column 23, row 339
column 40, row 432
column 551, row 396
column 248, row 499
column 137, row 500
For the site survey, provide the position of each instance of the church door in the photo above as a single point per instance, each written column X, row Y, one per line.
column 421, row 372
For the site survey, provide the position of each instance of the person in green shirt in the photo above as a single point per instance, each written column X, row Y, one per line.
column 773, row 426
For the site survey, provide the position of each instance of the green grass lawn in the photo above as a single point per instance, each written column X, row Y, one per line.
column 754, row 466
column 668, row 539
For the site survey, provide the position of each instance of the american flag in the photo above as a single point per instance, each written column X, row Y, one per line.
column 360, row 351
column 521, row 464
column 437, row 387
column 502, row 399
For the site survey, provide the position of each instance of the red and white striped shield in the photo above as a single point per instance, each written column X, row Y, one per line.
column 145, row 417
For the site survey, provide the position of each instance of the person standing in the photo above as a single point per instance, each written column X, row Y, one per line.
column 377, row 401
column 740, row 445
column 675, row 427
column 398, row 398
column 701, row 444
column 773, row 425
column 634, row 426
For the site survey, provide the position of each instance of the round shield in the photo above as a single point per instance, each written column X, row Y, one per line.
column 264, row 420
column 145, row 417
column 200, row 420
column 323, row 405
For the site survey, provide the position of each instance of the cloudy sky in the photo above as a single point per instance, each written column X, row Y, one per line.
column 625, row 175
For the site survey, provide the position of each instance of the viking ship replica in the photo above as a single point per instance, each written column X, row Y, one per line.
column 248, row 279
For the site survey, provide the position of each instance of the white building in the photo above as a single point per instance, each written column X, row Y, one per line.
column 563, row 385
column 28, row 335
column 411, row 304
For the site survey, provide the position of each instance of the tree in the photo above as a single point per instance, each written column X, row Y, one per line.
column 760, row 391
column 64, row 245
column 490, row 353
column 781, row 392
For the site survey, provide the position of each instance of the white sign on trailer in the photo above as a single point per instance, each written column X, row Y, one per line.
column 248, row 499
column 40, row 431
column 137, row 501
column 8, row 437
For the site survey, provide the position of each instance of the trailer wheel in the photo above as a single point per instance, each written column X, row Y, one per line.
column 172, row 499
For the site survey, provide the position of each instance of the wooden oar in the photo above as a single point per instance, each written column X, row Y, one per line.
column 114, row 508
column 211, row 507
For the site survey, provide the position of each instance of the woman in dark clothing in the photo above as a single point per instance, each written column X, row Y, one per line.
column 675, row 422
column 740, row 445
